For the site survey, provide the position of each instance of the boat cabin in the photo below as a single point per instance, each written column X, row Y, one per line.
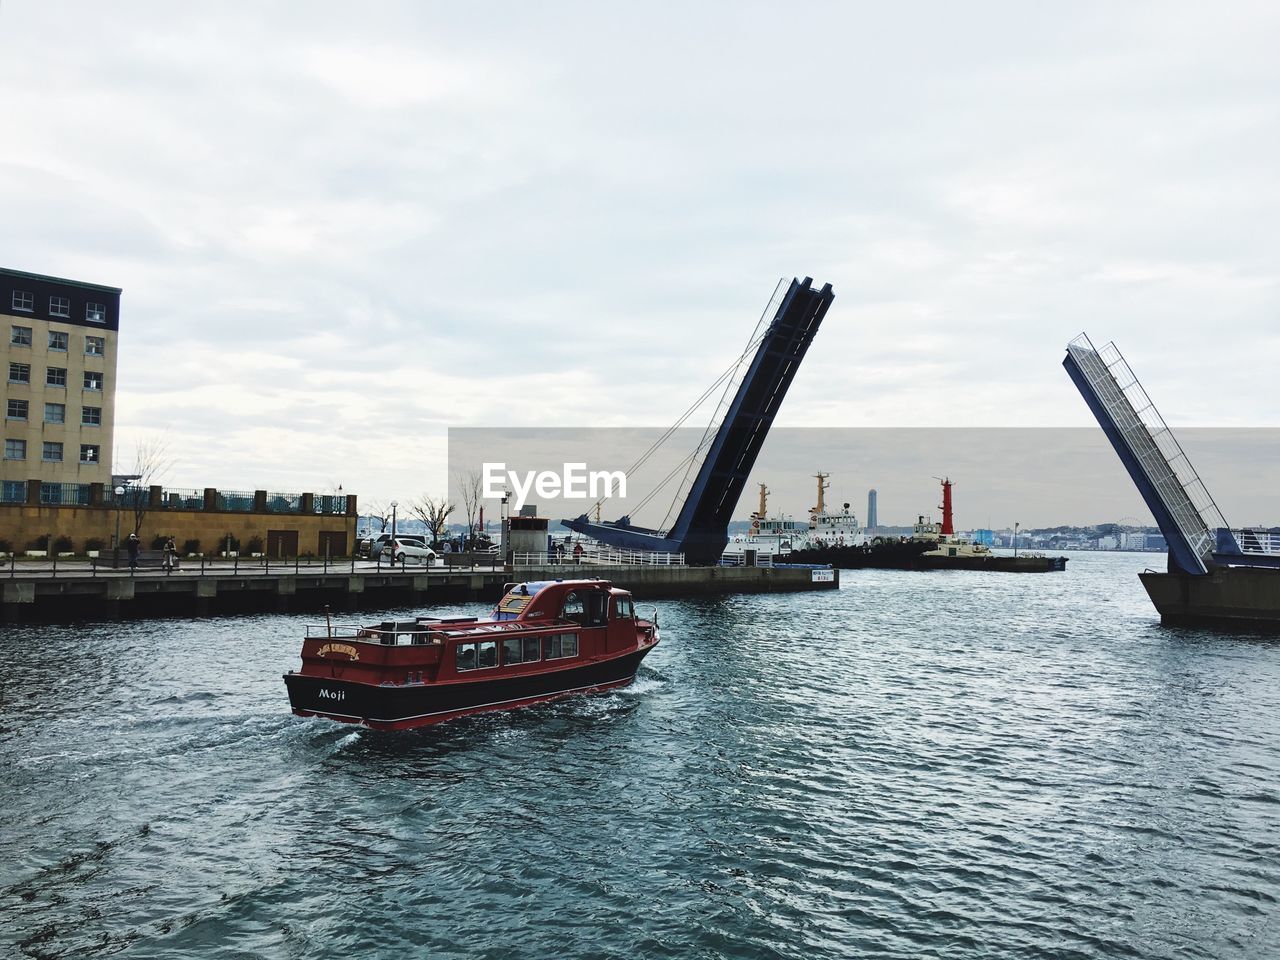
column 536, row 626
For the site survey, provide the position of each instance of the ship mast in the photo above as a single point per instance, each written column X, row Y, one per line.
column 823, row 487
column 762, row 512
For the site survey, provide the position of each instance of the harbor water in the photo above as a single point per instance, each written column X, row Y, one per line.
column 920, row 765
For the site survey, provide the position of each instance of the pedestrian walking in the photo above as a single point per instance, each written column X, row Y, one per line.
column 170, row 555
column 577, row 553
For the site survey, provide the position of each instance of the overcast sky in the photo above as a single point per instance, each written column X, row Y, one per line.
column 341, row 229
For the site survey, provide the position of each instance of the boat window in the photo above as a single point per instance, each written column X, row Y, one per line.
column 597, row 609
column 512, row 651
column 624, row 608
column 573, row 608
column 562, row 645
column 477, row 656
column 521, row 650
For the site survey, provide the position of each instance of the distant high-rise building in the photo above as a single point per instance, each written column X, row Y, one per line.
column 872, row 519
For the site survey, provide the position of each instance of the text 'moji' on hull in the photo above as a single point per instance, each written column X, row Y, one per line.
column 544, row 640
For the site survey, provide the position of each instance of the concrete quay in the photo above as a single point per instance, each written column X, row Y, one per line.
column 33, row 593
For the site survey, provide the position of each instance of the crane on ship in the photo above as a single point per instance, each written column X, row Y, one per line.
column 752, row 391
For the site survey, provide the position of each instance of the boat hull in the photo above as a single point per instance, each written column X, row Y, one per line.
column 401, row 707
column 1225, row 597
column 915, row 556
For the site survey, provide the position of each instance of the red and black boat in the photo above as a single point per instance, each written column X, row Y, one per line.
column 545, row 640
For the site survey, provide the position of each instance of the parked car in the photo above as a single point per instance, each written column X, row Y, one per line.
column 373, row 547
column 410, row 549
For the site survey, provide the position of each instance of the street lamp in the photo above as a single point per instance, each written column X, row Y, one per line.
column 504, row 527
column 392, row 544
column 1015, row 539
column 119, row 494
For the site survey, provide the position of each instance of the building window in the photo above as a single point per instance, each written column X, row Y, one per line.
column 21, row 337
column 13, row 491
column 59, row 307
column 19, row 373
column 55, row 377
column 95, row 312
column 91, row 416
column 55, row 413
column 23, row 300
column 95, row 346
column 58, row 340
column 89, row 453
column 93, row 379
column 52, row 451
column 15, row 449
column 17, row 410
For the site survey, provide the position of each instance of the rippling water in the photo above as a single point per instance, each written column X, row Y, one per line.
column 958, row 765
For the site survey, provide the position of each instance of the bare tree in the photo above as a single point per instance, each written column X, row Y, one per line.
column 470, row 488
column 379, row 512
column 151, row 461
column 434, row 513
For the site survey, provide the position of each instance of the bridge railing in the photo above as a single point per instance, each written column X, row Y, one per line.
column 1264, row 543
column 739, row 560
column 599, row 558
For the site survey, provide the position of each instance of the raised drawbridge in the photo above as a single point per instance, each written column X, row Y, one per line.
column 753, row 391
column 1198, row 536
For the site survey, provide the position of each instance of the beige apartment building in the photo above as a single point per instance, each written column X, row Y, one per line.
column 59, row 341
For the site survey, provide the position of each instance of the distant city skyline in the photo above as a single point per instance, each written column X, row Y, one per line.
column 1040, row 478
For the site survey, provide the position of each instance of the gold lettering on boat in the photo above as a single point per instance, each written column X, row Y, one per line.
column 339, row 648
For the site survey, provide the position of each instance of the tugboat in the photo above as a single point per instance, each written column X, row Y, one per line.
column 777, row 537
column 544, row 640
column 932, row 546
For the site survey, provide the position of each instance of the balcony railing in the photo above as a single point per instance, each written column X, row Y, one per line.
column 284, row 503
column 331, row 505
column 65, row 494
column 238, row 501
column 175, row 499
column 148, row 497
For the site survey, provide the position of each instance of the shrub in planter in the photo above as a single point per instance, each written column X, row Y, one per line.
column 254, row 545
column 94, row 543
column 229, row 543
column 158, row 541
column 191, row 546
column 6, row 546
column 39, row 543
column 62, row 545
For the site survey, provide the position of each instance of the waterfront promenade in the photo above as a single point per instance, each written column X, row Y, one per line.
column 40, row 590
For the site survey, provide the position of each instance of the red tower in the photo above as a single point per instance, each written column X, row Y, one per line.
column 948, row 529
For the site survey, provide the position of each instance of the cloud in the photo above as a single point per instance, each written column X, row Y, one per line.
column 340, row 234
